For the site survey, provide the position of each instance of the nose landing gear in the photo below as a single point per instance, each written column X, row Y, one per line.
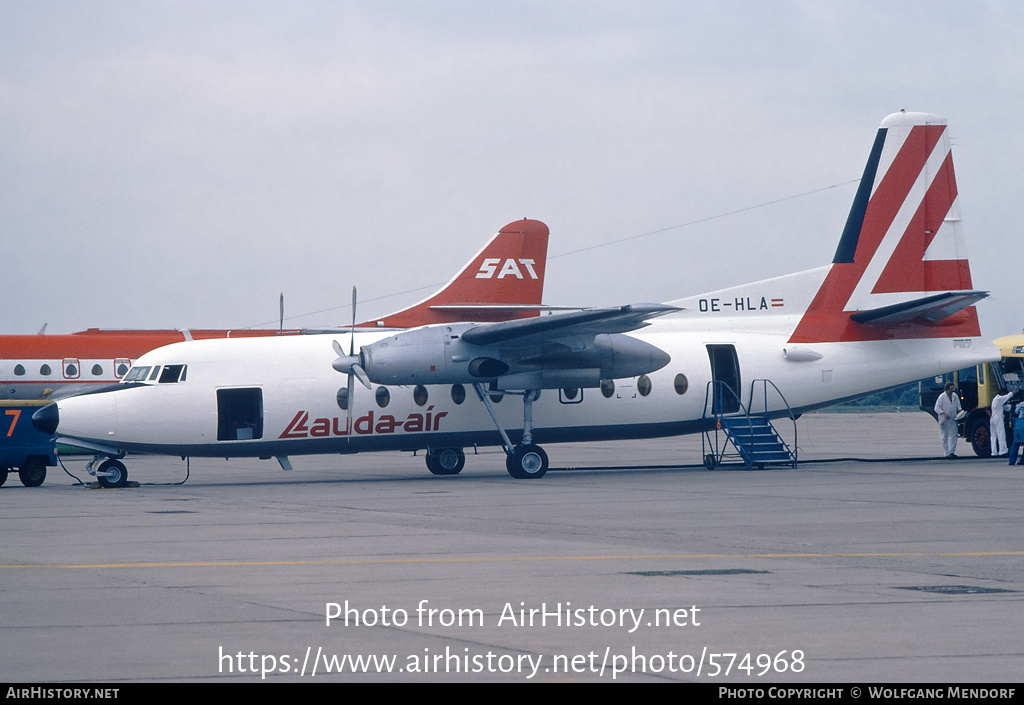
column 110, row 474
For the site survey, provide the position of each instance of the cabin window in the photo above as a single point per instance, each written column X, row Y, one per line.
column 97, row 371
column 71, row 369
column 458, row 393
column 45, row 370
column 172, row 374
column 343, row 398
column 383, row 397
column 19, row 370
column 239, row 414
column 643, row 385
column 122, row 367
column 419, row 395
column 681, row 384
column 607, row 388
column 570, row 395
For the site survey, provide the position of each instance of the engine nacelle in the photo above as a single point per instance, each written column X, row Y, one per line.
column 438, row 355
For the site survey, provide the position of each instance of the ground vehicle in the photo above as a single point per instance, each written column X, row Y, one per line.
column 22, row 446
column 977, row 387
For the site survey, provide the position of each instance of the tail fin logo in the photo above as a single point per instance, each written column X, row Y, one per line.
column 903, row 240
column 510, row 269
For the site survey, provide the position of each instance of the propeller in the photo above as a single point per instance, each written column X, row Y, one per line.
column 350, row 364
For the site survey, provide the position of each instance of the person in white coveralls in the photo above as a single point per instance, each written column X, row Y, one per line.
column 947, row 406
column 997, row 427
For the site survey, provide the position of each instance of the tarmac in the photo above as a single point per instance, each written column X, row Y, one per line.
column 873, row 561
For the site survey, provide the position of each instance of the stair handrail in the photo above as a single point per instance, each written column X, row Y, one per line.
column 789, row 410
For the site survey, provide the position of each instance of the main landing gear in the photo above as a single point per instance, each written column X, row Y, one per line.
column 445, row 461
column 526, row 460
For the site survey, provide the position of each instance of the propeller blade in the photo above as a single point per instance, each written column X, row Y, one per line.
column 352, row 337
column 361, row 374
column 348, row 405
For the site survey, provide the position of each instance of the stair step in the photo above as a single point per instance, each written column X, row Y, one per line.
column 756, row 440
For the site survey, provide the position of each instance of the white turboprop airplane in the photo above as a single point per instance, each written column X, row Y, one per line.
column 895, row 305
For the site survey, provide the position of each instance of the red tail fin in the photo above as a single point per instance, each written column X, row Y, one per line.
column 901, row 270
column 505, row 280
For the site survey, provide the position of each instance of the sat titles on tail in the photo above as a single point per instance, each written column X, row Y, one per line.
column 895, row 305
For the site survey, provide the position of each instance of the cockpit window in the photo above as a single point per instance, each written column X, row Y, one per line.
column 156, row 371
column 172, row 374
column 137, row 374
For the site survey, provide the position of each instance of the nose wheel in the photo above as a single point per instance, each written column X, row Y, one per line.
column 110, row 473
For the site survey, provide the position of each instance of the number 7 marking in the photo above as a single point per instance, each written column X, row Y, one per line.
column 16, row 413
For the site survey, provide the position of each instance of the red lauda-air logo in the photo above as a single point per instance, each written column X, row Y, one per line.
column 301, row 427
column 509, row 269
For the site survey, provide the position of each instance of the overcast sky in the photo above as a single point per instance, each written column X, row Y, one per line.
column 180, row 164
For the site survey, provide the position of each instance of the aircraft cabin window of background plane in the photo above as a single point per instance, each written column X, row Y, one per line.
column 19, row 370
column 45, row 370
column 607, row 388
column 383, row 397
column 97, row 371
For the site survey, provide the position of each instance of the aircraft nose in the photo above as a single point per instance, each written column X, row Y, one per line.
column 46, row 419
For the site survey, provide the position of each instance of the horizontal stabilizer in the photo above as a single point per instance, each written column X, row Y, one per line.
column 598, row 321
column 930, row 309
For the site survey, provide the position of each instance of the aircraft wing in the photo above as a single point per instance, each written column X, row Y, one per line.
column 619, row 319
column 930, row 309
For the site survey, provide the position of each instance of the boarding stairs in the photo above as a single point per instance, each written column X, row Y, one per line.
column 751, row 435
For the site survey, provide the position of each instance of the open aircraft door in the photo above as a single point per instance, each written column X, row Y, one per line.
column 725, row 375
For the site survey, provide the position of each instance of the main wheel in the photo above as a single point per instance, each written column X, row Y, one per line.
column 33, row 472
column 118, row 476
column 448, row 461
column 978, row 435
column 527, row 461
